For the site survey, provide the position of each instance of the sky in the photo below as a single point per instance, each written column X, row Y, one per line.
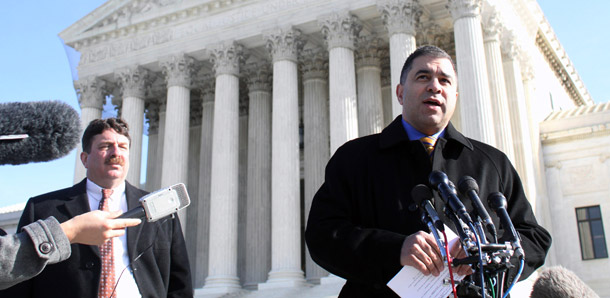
column 34, row 67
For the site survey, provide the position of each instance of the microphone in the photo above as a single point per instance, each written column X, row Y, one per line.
column 440, row 182
column 468, row 186
column 422, row 196
column 161, row 203
column 560, row 282
column 37, row 131
column 497, row 202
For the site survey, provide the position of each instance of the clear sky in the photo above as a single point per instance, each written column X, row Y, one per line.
column 34, row 67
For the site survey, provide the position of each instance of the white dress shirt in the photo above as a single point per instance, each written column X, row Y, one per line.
column 127, row 286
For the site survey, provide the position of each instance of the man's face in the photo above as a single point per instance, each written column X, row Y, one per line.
column 429, row 94
column 108, row 162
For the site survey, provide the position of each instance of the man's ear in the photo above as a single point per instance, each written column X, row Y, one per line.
column 83, row 158
column 399, row 93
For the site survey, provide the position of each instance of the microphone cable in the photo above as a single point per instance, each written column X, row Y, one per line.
column 521, row 264
column 449, row 265
column 482, row 274
column 139, row 255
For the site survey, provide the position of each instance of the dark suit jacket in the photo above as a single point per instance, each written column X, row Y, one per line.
column 362, row 213
column 162, row 270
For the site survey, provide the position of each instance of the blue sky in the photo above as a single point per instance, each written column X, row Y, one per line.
column 34, row 67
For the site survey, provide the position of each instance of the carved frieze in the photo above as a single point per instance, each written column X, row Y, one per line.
column 340, row 29
column 400, row 16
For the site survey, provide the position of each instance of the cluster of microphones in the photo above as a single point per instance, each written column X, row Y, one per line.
column 490, row 260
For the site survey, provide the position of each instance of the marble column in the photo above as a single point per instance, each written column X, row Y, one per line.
column 160, row 142
column 497, row 86
column 387, row 90
column 192, row 183
column 258, row 205
column 202, row 202
column 242, row 170
column 152, row 117
column 284, row 44
column 340, row 31
column 518, row 115
column 178, row 70
column 368, row 70
column 222, row 264
column 473, row 84
column 316, row 152
column 133, row 82
column 91, row 97
column 401, row 19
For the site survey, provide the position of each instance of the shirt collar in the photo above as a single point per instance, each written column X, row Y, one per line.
column 415, row 135
column 96, row 190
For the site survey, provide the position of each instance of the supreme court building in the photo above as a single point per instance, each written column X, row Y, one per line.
column 245, row 101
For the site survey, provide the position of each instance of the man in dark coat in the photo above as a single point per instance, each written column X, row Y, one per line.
column 363, row 224
column 153, row 254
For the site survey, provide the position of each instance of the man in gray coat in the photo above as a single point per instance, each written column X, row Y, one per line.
column 24, row 255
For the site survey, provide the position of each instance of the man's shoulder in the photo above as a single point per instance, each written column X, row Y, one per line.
column 55, row 195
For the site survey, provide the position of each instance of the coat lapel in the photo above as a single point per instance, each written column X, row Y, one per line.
column 78, row 204
column 132, row 196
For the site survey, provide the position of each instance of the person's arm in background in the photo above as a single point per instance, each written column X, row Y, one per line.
column 24, row 255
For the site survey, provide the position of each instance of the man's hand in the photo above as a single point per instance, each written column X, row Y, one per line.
column 95, row 227
column 420, row 251
column 457, row 252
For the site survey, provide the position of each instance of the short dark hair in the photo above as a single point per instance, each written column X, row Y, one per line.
column 427, row 50
column 98, row 126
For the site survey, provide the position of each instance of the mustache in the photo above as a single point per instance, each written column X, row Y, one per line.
column 115, row 160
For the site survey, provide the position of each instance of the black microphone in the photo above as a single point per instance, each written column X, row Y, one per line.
column 497, row 202
column 468, row 186
column 161, row 203
column 37, row 131
column 422, row 196
column 440, row 182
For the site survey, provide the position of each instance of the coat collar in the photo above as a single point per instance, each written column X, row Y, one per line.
column 395, row 133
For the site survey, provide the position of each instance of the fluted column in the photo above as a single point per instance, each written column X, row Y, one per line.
column 497, row 86
column 316, row 136
column 340, row 31
column 518, row 115
column 401, row 19
column 242, row 170
column 387, row 97
column 202, row 203
column 283, row 44
column 192, row 183
column 133, row 82
column 160, row 142
column 92, row 96
column 368, row 70
column 475, row 106
column 178, row 70
column 152, row 117
column 258, row 205
column 222, row 270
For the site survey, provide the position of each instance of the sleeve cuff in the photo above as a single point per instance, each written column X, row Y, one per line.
column 50, row 242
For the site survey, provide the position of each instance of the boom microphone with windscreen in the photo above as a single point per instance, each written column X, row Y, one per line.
column 161, row 203
column 37, row 131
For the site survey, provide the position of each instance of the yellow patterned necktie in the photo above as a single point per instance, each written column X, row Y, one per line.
column 429, row 143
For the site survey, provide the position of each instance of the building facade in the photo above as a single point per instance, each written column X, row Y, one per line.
column 246, row 100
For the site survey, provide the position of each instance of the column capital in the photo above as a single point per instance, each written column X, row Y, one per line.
column 178, row 70
column 464, row 8
column 368, row 53
column 283, row 43
column 91, row 92
column 244, row 102
column 400, row 16
column 491, row 25
column 340, row 29
column 386, row 73
column 258, row 75
column 206, row 85
column 133, row 80
column 314, row 62
column 226, row 57
column 510, row 46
